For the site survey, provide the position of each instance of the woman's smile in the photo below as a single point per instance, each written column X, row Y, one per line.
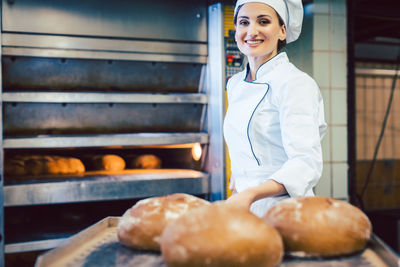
column 254, row 42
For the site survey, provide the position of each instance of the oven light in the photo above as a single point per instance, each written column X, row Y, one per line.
column 196, row 151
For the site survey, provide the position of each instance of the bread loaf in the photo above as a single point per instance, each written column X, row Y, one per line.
column 146, row 161
column 63, row 165
column 43, row 164
column 141, row 226
column 108, row 162
column 220, row 235
column 14, row 167
column 319, row 226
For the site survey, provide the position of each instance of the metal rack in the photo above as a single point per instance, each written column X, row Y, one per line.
column 123, row 32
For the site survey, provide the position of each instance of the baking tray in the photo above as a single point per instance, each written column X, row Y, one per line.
column 98, row 246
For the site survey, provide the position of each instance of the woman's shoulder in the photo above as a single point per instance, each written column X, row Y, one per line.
column 289, row 75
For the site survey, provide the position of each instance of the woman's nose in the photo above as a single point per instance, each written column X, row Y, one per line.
column 252, row 30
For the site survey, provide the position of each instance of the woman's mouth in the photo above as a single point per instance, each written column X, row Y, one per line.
column 253, row 42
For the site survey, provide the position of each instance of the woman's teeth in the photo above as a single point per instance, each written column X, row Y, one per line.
column 254, row 41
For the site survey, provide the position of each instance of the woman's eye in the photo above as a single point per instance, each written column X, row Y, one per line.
column 243, row 22
column 264, row 22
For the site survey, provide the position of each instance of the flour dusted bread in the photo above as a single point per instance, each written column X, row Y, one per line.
column 141, row 226
column 220, row 235
column 319, row 226
column 108, row 162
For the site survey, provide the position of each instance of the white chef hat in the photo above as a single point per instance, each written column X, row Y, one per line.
column 291, row 12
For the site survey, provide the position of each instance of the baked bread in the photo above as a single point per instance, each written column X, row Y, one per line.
column 220, row 235
column 44, row 164
column 14, row 166
column 146, row 161
column 141, row 226
column 319, row 226
column 108, row 162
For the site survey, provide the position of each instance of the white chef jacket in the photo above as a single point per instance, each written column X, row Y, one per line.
column 273, row 129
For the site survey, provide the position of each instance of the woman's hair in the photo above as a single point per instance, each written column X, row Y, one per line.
column 281, row 44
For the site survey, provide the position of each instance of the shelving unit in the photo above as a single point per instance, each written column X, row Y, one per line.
column 142, row 69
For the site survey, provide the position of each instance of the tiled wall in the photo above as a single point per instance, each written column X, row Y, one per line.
column 321, row 52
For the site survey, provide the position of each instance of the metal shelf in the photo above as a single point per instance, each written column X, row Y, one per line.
column 33, row 245
column 38, row 45
column 75, row 97
column 128, row 185
column 138, row 139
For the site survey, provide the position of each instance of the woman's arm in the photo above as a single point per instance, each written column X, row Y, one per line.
column 247, row 197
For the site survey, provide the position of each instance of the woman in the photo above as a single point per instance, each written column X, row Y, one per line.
column 275, row 118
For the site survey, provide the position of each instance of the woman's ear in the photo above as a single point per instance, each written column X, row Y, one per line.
column 282, row 35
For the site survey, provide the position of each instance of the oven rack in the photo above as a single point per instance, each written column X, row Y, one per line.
column 103, row 185
column 135, row 139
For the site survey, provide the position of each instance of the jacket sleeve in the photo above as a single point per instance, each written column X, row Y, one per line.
column 300, row 119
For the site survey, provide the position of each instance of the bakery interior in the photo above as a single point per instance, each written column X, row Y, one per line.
column 125, row 100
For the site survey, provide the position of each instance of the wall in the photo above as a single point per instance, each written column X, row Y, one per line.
column 321, row 52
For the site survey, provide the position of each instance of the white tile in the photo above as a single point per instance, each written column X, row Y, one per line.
column 338, row 33
column 326, row 97
column 339, row 107
column 338, row 7
column 321, row 33
column 308, row 63
column 339, row 70
column 323, row 188
column 326, row 146
column 340, row 180
column 339, row 143
column 321, row 6
column 321, row 68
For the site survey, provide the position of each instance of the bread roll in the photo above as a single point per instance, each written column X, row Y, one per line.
column 146, row 161
column 108, row 162
column 319, row 226
column 63, row 165
column 220, row 235
column 141, row 226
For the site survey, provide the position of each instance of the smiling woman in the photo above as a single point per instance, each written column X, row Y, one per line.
column 257, row 34
column 275, row 118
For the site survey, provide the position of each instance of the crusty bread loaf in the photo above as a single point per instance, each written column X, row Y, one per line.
column 220, row 235
column 43, row 164
column 319, row 226
column 146, row 161
column 141, row 226
column 108, row 162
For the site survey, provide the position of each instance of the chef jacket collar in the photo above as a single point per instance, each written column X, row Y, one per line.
column 267, row 66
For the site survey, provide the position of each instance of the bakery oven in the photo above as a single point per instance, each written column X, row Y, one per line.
column 105, row 103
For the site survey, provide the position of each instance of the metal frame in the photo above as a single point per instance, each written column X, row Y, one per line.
column 77, row 97
column 90, row 54
column 351, row 104
column 139, row 139
column 215, row 89
column 131, row 184
column 2, row 263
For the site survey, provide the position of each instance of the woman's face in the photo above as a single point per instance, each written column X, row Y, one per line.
column 258, row 31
